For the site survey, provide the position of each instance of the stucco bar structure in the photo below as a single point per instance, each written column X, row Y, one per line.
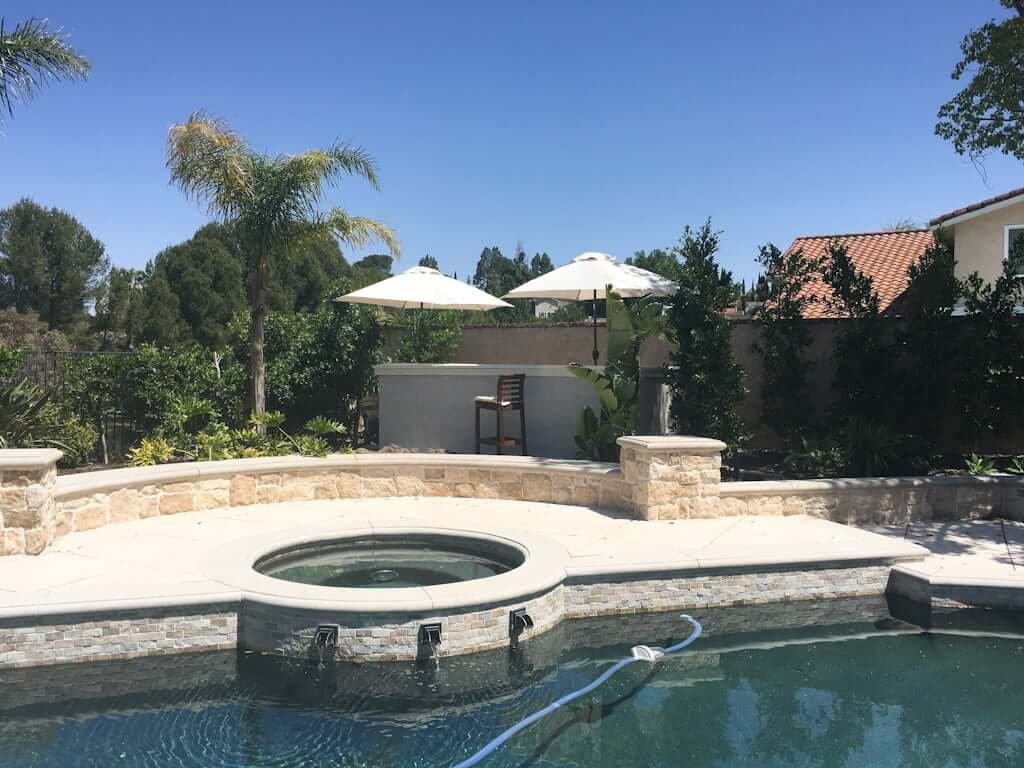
column 429, row 407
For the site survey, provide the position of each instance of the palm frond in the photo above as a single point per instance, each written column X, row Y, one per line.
column 31, row 56
column 359, row 231
column 319, row 167
column 211, row 163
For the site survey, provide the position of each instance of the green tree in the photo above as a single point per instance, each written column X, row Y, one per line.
column 119, row 307
column 540, row 264
column 864, row 408
column 990, row 386
column 49, row 263
column 319, row 363
column 785, row 389
column 986, row 114
column 31, row 56
column 660, row 261
column 705, row 379
column 497, row 274
column 273, row 202
column 428, row 261
column 371, row 269
column 929, row 342
column 162, row 322
column 431, row 338
column 206, row 276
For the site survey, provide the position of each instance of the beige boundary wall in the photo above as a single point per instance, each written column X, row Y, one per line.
column 660, row 478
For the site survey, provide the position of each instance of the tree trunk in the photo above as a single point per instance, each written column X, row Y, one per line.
column 257, row 325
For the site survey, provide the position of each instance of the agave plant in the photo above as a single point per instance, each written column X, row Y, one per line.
column 979, row 465
column 24, row 418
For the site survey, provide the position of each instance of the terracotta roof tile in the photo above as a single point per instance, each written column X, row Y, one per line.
column 882, row 256
column 976, row 206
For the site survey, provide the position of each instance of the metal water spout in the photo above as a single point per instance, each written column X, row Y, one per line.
column 428, row 639
column 325, row 641
column 518, row 622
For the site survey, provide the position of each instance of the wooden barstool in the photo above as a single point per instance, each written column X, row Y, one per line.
column 508, row 398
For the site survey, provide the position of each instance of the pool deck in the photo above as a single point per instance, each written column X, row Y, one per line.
column 971, row 562
column 179, row 559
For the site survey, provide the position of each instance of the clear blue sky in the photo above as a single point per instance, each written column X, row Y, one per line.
column 570, row 126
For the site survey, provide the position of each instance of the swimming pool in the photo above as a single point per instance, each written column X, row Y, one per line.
column 758, row 689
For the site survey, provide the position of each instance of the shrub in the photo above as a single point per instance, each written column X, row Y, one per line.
column 864, row 371
column 990, row 385
column 630, row 324
column 26, row 418
column 11, row 359
column 705, row 379
column 152, row 450
column 146, row 387
column 430, row 339
column 319, row 363
column 929, row 343
column 78, row 441
column 785, row 337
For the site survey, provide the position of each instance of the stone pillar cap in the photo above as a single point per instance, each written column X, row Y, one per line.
column 28, row 459
column 673, row 443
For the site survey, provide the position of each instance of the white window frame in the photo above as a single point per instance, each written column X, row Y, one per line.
column 1006, row 241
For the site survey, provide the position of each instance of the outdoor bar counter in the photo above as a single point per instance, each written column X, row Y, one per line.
column 425, row 407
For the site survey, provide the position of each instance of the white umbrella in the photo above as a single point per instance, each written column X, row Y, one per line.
column 423, row 288
column 587, row 277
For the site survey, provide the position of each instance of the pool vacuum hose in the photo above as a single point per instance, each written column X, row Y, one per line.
column 638, row 653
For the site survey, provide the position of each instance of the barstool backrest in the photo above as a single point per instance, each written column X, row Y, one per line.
column 510, row 388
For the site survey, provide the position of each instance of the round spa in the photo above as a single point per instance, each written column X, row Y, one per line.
column 403, row 593
column 392, row 561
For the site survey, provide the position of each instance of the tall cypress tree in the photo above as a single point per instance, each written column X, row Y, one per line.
column 706, row 381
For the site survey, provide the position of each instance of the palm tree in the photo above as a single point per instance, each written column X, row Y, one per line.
column 272, row 203
column 32, row 55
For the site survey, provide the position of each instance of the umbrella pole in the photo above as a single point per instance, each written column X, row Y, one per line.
column 594, row 310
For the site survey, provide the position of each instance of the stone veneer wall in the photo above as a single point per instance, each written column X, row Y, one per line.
column 253, row 481
column 601, row 597
column 382, row 637
column 878, row 500
column 661, row 478
column 27, row 480
column 117, row 635
column 370, row 637
column 672, row 477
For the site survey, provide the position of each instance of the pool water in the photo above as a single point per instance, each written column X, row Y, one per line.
column 370, row 564
column 874, row 693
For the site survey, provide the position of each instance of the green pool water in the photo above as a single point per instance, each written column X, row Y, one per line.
column 798, row 692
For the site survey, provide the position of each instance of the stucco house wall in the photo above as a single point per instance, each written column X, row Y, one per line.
column 979, row 239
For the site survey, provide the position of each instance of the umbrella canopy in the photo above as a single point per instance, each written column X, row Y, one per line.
column 586, row 278
column 423, row 288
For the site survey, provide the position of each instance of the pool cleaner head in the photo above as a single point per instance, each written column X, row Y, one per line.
column 646, row 653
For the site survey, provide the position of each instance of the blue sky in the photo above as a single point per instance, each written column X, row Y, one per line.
column 569, row 126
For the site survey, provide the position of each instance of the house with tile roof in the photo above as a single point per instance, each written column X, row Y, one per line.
column 980, row 234
column 882, row 256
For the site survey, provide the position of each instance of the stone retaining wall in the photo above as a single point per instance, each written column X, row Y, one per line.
column 879, row 500
column 661, row 478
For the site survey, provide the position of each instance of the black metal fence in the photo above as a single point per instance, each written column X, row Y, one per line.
column 118, row 430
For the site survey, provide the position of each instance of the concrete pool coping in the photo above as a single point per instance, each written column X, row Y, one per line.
column 195, row 568
column 818, row 543
column 976, row 563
